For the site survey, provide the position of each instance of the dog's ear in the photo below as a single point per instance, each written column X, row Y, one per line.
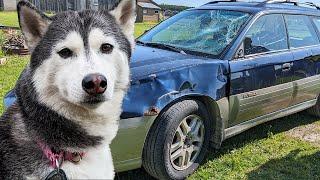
column 33, row 23
column 125, row 14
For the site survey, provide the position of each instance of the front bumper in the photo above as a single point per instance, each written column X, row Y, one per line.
column 128, row 145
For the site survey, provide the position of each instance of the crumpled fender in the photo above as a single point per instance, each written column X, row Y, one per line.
column 148, row 95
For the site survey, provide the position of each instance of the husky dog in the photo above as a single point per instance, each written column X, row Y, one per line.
column 69, row 97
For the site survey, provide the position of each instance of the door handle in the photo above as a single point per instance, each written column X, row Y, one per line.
column 286, row 67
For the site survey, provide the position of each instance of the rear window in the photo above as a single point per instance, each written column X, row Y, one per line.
column 301, row 32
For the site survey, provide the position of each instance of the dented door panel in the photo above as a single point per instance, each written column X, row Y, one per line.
column 306, row 76
column 258, row 86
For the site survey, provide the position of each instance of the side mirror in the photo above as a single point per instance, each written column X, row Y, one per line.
column 240, row 52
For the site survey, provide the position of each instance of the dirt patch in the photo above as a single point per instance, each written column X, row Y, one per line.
column 309, row 133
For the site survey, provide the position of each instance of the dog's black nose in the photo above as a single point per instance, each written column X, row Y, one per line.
column 94, row 84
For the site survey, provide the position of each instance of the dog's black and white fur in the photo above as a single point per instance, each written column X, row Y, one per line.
column 52, row 106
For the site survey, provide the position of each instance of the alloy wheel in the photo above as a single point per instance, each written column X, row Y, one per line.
column 187, row 142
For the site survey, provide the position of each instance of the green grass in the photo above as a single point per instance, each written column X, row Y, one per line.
column 9, row 18
column 265, row 152
column 9, row 74
column 142, row 27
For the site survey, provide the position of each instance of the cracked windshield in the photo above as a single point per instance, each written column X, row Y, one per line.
column 198, row 31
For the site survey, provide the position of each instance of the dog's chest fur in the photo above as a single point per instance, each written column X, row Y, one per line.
column 21, row 157
column 96, row 164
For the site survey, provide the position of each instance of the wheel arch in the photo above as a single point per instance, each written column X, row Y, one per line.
column 217, row 112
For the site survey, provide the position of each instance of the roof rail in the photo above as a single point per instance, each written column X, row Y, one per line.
column 311, row 4
column 294, row 2
column 219, row 1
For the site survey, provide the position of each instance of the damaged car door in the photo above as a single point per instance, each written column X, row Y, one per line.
column 259, row 83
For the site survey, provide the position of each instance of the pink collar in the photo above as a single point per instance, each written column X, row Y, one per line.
column 57, row 159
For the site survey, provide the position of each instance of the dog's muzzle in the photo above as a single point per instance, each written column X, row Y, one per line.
column 94, row 84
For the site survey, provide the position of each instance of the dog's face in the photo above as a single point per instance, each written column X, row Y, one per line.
column 79, row 58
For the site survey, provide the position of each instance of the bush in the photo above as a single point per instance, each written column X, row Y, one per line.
column 13, row 38
column 13, row 42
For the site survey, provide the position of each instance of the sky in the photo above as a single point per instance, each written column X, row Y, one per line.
column 195, row 3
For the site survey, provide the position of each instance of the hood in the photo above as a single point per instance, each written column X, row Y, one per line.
column 158, row 77
column 147, row 61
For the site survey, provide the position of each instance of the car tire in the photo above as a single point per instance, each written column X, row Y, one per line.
column 315, row 110
column 169, row 138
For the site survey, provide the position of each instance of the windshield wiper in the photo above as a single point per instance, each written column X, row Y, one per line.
column 163, row 46
column 140, row 42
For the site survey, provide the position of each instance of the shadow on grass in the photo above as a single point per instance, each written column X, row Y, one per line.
column 291, row 166
column 260, row 132
column 138, row 174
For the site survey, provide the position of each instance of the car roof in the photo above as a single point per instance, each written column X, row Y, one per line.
column 256, row 7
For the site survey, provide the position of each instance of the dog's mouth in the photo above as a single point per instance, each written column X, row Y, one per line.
column 93, row 101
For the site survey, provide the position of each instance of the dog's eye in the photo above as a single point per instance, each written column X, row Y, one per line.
column 106, row 48
column 65, row 53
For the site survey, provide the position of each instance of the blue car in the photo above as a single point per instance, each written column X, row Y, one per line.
column 210, row 73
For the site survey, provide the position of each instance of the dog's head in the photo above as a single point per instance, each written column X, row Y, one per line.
column 79, row 58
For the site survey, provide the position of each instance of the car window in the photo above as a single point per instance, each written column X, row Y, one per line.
column 268, row 33
column 202, row 31
column 316, row 21
column 182, row 29
column 301, row 32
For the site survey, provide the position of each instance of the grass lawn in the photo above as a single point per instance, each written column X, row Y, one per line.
column 9, row 18
column 9, row 74
column 268, row 151
column 142, row 27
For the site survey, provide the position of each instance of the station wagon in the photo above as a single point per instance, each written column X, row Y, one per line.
column 210, row 73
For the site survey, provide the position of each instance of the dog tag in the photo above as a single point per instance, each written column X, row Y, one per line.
column 57, row 174
column 76, row 158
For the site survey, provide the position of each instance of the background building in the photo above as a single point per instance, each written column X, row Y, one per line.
column 148, row 10
column 61, row 5
column 64, row 5
column 8, row 5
